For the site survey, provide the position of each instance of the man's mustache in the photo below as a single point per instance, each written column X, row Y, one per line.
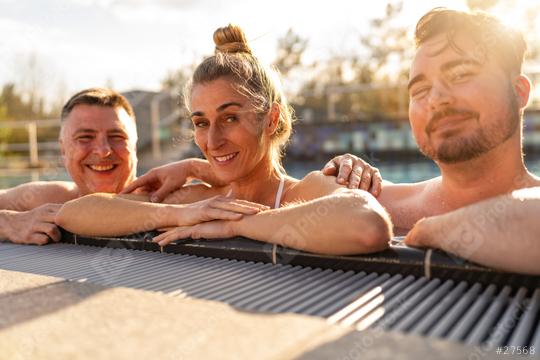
column 436, row 117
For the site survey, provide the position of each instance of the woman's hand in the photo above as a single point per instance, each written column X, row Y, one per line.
column 355, row 173
column 217, row 229
column 164, row 180
column 216, row 208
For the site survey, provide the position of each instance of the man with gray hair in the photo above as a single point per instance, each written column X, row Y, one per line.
column 98, row 139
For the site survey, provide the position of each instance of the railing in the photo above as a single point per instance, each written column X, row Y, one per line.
column 32, row 146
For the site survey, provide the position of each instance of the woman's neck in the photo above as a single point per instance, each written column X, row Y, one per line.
column 260, row 185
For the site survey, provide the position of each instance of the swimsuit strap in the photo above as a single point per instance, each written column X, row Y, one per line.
column 277, row 202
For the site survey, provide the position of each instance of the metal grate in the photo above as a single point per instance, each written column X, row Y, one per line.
column 455, row 310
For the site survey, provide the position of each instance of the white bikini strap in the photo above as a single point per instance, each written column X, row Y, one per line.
column 277, row 202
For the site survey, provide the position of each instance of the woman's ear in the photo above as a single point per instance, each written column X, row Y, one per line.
column 522, row 89
column 273, row 119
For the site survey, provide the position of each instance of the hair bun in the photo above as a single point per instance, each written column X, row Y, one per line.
column 231, row 39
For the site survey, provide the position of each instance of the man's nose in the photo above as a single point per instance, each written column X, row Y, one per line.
column 102, row 148
column 215, row 137
column 440, row 96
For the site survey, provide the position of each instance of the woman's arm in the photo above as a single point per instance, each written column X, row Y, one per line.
column 112, row 215
column 324, row 218
column 502, row 232
column 344, row 222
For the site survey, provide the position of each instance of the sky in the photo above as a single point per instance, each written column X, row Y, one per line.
column 132, row 44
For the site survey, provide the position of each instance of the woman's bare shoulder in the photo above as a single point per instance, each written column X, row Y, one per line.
column 314, row 185
column 194, row 192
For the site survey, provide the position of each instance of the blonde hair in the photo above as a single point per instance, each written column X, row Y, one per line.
column 233, row 58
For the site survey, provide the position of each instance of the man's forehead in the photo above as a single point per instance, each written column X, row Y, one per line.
column 435, row 52
column 98, row 118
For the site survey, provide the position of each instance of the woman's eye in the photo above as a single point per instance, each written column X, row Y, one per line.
column 200, row 124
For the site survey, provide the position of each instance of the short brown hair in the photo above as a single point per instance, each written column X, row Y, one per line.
column 493, row 38
column 99, row 97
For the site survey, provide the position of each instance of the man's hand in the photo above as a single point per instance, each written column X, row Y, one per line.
column 34, row 226
column 355, row 173
column 159, row 182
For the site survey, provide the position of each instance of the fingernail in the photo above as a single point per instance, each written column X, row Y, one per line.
column 154, row 198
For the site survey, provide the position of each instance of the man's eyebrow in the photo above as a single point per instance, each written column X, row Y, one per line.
column 219, row 108
column 116, row 131
column 459, row 62
column 415, row 79
column 84, row 131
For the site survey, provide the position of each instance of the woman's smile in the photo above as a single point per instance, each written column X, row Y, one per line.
column 225, row 159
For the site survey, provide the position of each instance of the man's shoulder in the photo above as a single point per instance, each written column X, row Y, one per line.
column 407, row 191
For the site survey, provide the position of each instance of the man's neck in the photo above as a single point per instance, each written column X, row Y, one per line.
column 496, row 172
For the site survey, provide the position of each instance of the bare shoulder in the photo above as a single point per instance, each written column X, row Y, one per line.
column 312, row 186
column 406, row 191
column 30, row 195
column 407, row 203
column 192, row 193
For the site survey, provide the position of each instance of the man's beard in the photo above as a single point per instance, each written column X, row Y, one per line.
column 456, row 148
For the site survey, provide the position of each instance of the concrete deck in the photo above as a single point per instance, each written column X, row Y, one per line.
column 49, row 318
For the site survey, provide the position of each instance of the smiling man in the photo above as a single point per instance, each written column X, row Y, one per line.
column 467, row 95
column 98, row 139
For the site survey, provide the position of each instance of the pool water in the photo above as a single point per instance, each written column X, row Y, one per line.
column 394, row 171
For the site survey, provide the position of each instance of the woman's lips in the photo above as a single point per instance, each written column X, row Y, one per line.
column 225, row 158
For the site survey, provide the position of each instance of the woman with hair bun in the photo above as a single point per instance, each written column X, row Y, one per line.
column 242, row 122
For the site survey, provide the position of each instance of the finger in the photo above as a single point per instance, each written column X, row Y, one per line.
column 168, row 228
column 39, row 239
column 376, row 183
column 163, row 192
column 355, row 177
column 172, row 235
column 219, row 214
column 142, row 181
column 345, row 169
column 410, row 239
column 365, row 183
column 48, row 229
column 329, row 168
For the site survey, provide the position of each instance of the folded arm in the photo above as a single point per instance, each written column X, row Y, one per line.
column 501, row 232
column 323, row 218
column 114, row 215
column 345, row 222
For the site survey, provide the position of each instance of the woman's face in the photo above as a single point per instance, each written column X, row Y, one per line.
column 228, row 130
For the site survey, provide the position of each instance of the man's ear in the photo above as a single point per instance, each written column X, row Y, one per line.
column 522, row 89
column 273, row 119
